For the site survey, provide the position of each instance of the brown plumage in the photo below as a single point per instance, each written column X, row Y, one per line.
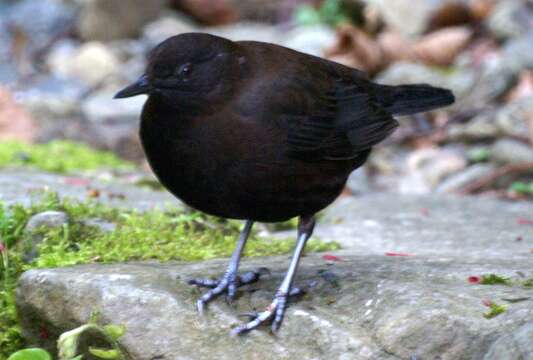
column 255, row 131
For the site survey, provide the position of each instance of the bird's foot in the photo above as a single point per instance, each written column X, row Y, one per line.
column 274, row 313
column 227, row 284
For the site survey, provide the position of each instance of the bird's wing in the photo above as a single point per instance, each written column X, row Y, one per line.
column 342, row 122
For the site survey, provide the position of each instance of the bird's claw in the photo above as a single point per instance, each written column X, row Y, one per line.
column 274, row 312
column 228, row 284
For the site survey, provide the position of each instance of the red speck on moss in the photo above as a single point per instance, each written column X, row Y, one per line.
column 43, row 333
column 398, row 254
column 474, row 279
column 524, row 221
column 487, row 302
column 329, row 257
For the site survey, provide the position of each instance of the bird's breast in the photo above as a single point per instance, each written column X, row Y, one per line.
column 237, row 170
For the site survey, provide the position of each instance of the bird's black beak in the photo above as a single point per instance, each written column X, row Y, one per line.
column 139, row 87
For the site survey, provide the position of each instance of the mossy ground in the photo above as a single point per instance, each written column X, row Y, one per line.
column 58, row 156
column 155, row 235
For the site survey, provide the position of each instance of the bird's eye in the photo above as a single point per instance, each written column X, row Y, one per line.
column 185, row 69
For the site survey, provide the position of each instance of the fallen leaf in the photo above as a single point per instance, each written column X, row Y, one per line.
column 441, row 47
column 424, row 212
column 487, row 302
column 398, row 254
column 210, row 12
column 357, row 49
column 524, row 221
column 76, row 181
column 474, row 279
column 451, row 14
column 328, row 257
column 93, row 193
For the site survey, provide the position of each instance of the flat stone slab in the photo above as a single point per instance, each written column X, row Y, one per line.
column 364, row 307
column 22, row 186
column 471, row 227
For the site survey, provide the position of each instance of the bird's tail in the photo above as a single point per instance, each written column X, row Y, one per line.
column 412, row 99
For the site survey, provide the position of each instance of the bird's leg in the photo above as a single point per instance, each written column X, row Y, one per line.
column 231, row 280
column 276, row 310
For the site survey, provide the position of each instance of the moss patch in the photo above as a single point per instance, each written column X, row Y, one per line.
column 58, row 156
column 155, row 235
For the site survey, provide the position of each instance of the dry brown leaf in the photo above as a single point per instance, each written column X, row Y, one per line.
column 450, row 14
column 442, row 46
column 355, row 48
column 395, row 47
column 481, row 9
column 454, row 13
column 210, row 12
column 523, row 89
column 15, row 122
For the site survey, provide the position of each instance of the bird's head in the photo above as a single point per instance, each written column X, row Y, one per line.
column 189, row 70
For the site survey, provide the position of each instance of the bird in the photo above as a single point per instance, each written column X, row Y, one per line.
column 258, row 132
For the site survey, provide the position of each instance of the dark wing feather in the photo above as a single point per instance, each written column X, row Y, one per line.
column 347, row 122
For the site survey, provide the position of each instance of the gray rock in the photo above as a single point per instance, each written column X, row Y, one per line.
column 515, row 346
column 508, row 120
column 459, row 180
column 48, row 220
column 106, row 20
column 427, row 225
column 512, row 118
column 512, row 152
column 409, row 17
column 114, row 125
column 511, row 18
column 100, row 107
column 313, row 40
column 481, row 127
column 376, row 306
column 92, row 62
column 358, row 181
column 427, row 167
column 49, row 19
column 167, row 26
column 25, row 186
column 52, row 98
column 9, row 75
column 100, row 224
column 517, row 52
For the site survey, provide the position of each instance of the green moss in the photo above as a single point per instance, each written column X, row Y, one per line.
column 479, row 154
column 521, row 187
column 172, row 234
column 58, row 156
column 528, row 283
column 493, row 279
column 494, row 310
